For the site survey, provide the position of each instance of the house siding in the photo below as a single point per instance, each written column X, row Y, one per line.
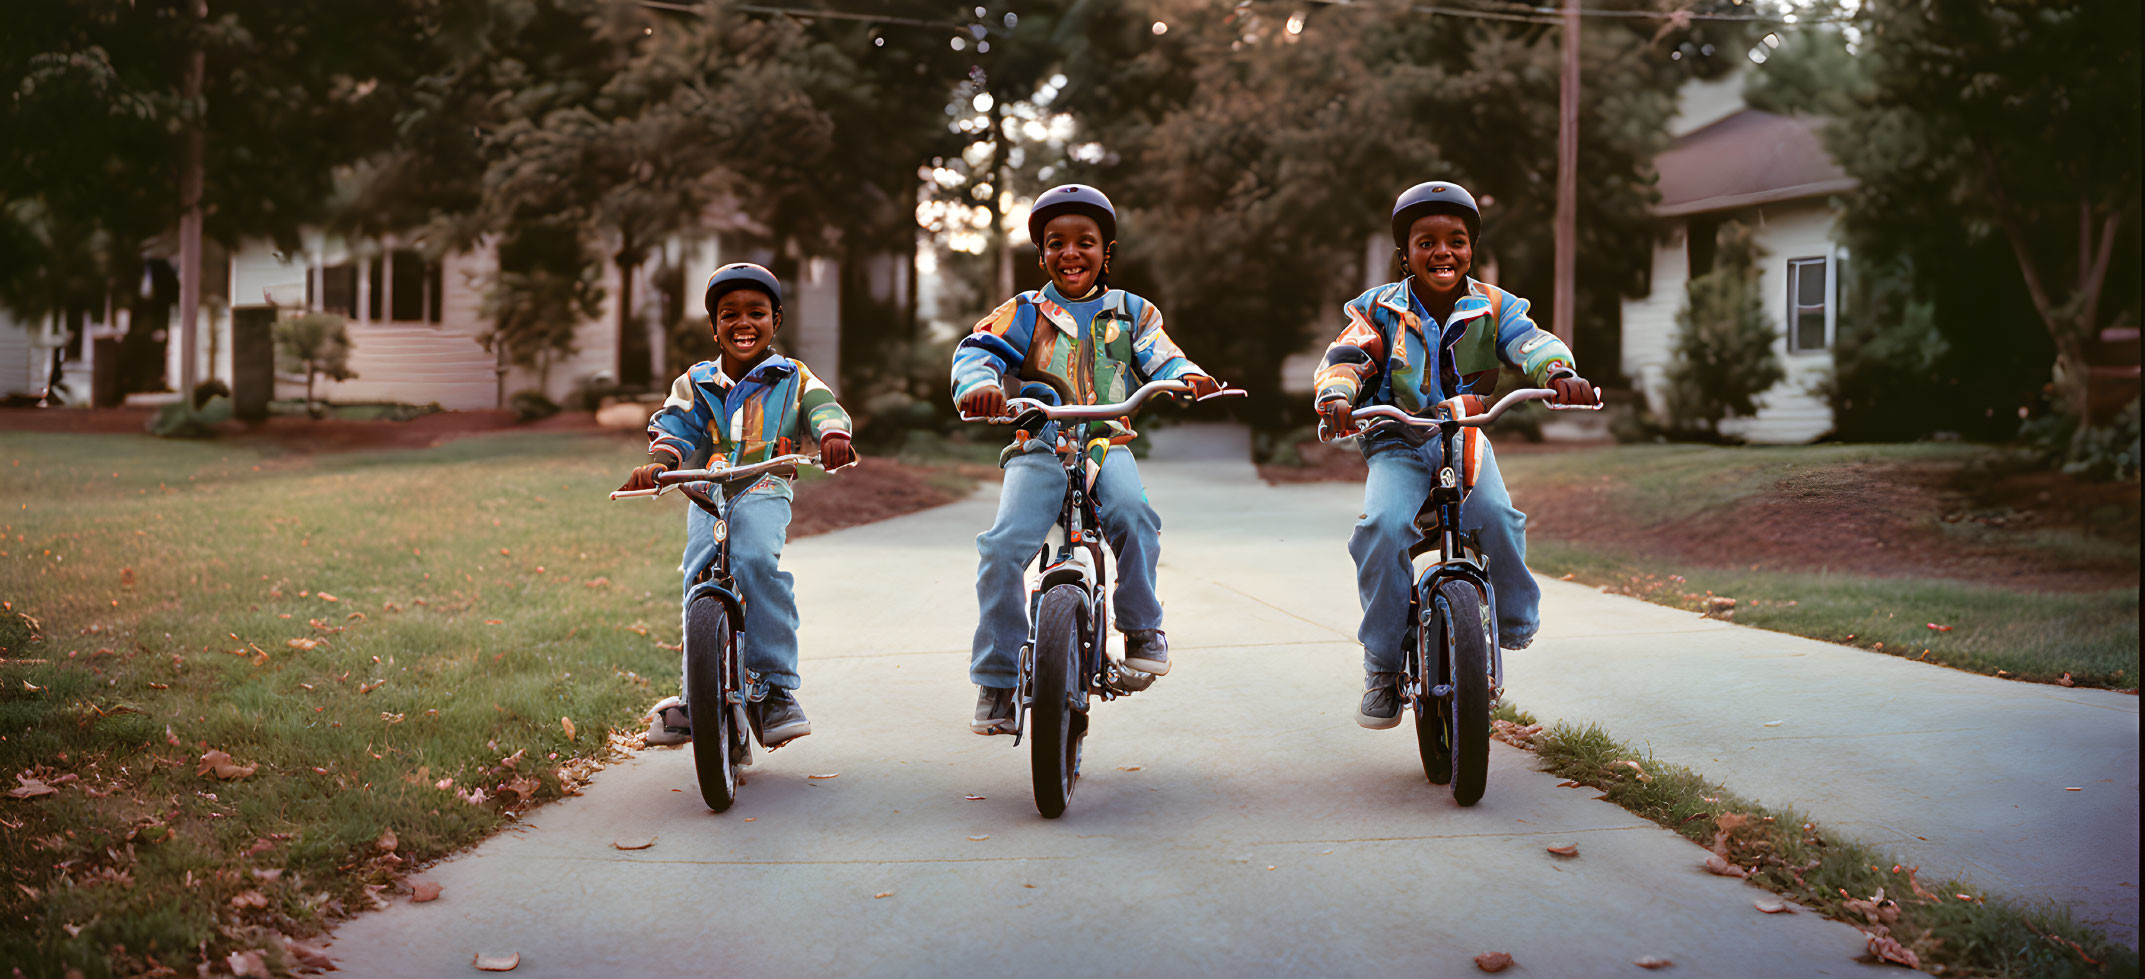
column 1792, row 411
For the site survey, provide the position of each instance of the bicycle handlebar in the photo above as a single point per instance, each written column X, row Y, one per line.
column 666, row 480
column 1377, row 415
column 1016, row 407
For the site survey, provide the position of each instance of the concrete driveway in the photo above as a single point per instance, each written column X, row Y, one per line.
column 1231, row 820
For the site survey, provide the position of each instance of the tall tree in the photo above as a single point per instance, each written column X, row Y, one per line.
column 284, row 96
column 2014, row 122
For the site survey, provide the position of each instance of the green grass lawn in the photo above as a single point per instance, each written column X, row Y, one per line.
column 2090, row 635
column 459, row 603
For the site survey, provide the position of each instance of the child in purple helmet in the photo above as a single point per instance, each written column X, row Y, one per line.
column 1437, row 335
column 740, row 408
column 1075, row 341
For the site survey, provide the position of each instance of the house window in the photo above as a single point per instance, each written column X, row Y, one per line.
column 338, row 289
column 1809, row 292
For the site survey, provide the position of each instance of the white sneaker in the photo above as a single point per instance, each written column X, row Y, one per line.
column 668, row 723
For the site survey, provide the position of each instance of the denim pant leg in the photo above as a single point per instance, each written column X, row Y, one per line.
column 1398, row 482
column 1028, row 505
column 759, row 525
column 1134, row 531
column 1501, row 531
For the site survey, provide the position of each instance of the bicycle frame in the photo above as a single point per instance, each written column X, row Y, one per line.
column 1080, row 558
column 1458, row 558
column 713, row 579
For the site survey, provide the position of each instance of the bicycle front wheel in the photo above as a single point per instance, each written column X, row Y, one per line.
column 1055, row 732
column 1460, row 615
column 1433, row 716
column 708, row 642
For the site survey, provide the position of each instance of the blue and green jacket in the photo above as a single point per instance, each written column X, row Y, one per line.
column 1387, row 356
column 711, row 420
column 1064, row 352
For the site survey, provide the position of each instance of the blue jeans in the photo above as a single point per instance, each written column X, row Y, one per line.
column 1400, row 479
column 759, row 524
column 1028, row 507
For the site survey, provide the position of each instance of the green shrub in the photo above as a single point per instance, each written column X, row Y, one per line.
column 1724, row 356
column 531, row 405
column 1889, row 382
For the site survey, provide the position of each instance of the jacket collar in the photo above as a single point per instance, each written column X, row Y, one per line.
column 765, row 371
column 1050, row 305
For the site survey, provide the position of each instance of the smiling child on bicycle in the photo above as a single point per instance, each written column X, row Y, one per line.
column 1435, row 339
column 1074, row 341
column 742, row 408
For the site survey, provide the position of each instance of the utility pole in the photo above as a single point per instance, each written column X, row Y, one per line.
column 190, row 211
column 1567, row 219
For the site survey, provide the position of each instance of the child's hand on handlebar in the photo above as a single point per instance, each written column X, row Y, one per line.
column 835, row 451
column 1572, row 389
column 1338, row 416
column 643, row 478
column 984, row 402
column 1202, row 385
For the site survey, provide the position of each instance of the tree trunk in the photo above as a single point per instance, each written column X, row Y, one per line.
column 630, row 374
column 311, row 408
column 190, row 212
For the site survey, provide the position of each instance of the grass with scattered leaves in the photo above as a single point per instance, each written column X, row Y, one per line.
column 2092, row 637
column 1941, row 927
column 373, row 639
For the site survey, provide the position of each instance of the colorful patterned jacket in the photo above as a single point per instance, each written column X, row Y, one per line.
column 1385, row 357
column 735, row 423
column 1054, row 359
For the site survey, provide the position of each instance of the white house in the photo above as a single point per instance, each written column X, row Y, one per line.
column 1730, row 162
column 414, row 324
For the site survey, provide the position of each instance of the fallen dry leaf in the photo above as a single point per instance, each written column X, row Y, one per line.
column 882, row 894
column 1771, row 905
column 216, row 764
column 1493, row 961
column 1933, row 627
column 826, row 775
column 1568, row 784
column 981, row 837
column 391, row 718
column 1885, row 948
column 1565, row 850
column 634, row 844
column 308, row 956
column 249, row 899
column 1919, row 891
column 302, row 645
column 567, row 724
column 1651, row 962
column 973, row 798
column 2066, row 681
column 1720, row 865
column 30, row 788
column 388, row 841
column 423, row 890
column 1128, row 768
column 370, row 687
column 248, row 963
column 325, row 597
column 497, row 963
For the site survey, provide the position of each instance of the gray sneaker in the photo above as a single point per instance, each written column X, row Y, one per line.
column 1147, row 650
column 994, row 711
column 1380, row 708
column 668, row 723
column 781, row 719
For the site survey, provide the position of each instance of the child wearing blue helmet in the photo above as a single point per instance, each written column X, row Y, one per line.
column 1436, row 336
column 746, row 406
column 1074, row 341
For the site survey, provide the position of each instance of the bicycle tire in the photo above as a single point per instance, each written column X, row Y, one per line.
column 1433, row 720
column 1054, row 734
column 708, row 641
column 1460, row 610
